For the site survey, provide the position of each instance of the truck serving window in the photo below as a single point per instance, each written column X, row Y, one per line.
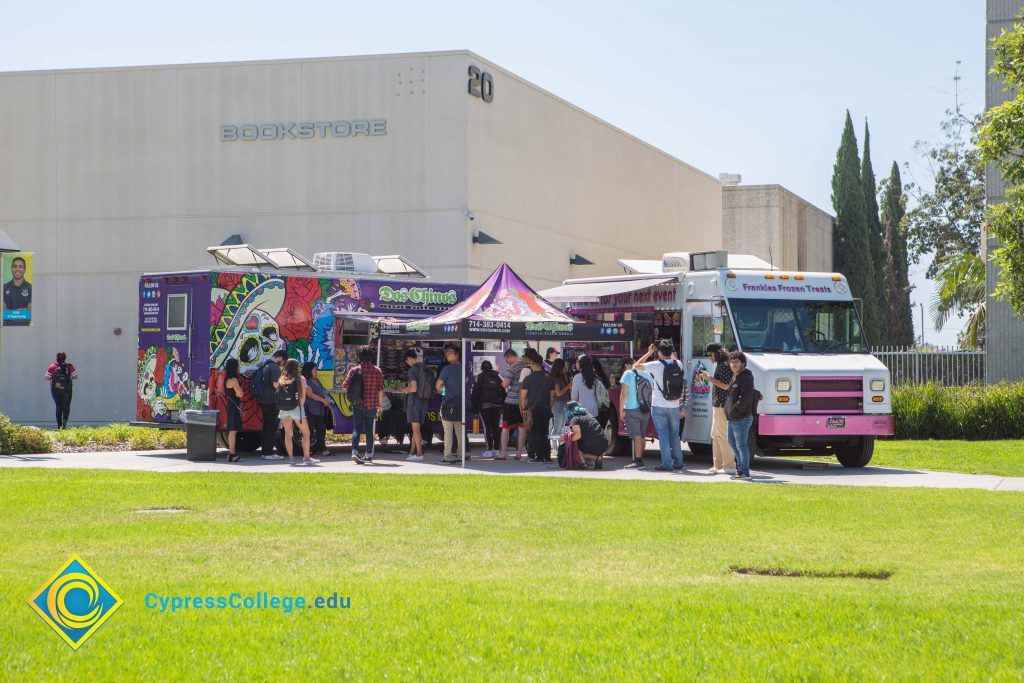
column 797, row 326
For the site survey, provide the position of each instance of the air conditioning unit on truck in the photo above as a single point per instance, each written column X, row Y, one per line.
column 823, row 391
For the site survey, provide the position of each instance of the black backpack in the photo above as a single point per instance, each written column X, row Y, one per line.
column 644, row 393
column 672, row 376
column 491, row 390
column 287, row 395
column 60, row 380
column 354, row 393
column 259, row 381
column 425, row 384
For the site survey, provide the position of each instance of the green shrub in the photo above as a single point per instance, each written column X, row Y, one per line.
column 17, row 440
column 172, row 438
column 933, row 411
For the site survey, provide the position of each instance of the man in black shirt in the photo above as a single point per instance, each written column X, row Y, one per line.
column 536, row 396
column 271, row 371
column 17, row 290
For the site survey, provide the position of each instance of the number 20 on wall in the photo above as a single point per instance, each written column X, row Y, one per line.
column 481, row 84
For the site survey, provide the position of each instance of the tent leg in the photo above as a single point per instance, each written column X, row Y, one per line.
column 371, row 438
column 462, row 441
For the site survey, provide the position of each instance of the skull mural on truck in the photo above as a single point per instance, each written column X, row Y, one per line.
column 246, row 325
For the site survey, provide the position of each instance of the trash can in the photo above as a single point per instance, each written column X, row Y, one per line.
column 200, row 435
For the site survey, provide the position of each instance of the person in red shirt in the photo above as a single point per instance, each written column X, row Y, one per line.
column 365, row 408
column 61, row 376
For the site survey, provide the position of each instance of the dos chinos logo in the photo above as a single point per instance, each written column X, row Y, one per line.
column 75, row 602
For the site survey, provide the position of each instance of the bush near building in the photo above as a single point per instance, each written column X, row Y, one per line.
column 973, row 412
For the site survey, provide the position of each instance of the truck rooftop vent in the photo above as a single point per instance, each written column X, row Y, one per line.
column 344, row 262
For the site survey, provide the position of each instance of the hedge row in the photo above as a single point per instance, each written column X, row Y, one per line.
column 17, row 440
column 933, row 411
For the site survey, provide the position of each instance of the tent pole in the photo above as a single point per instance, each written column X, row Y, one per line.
column 462, row 400
column 372, row 436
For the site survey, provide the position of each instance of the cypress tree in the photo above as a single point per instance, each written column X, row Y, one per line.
column 878, row 307
column 851, row 244
column 899, row 321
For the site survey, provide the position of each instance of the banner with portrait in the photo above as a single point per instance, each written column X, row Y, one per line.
column 17, row 275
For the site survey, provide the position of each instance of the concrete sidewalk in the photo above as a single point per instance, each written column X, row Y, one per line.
column 765, row 470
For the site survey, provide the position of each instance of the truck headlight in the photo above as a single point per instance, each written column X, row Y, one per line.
column 878, row 385
column 783, row 385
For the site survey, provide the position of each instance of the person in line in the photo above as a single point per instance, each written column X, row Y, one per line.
column 449, row 380
column 233, row 398
column 550, row 356
column 588, row 434
column 270, row 372
column 563, row 385
column 668, row 402
column 317, row 404
column 739, row 410
column 516, row 371
column 17, row 290
column 630, row 414
column 486, row 400
column 584, row 386
column 418, row 391
column 723, row 461
column 372, row 398
column 61, row 375
column 537, row 396
column 291, row 403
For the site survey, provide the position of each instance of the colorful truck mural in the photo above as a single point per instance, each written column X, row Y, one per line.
column 190, row 323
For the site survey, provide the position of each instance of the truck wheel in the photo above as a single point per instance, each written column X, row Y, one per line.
column 699, row 448
column 858, row 454
column 247, row 442
column 618, row 445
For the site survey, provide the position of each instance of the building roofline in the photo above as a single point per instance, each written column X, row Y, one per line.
column 762, row 186
column 393, row 55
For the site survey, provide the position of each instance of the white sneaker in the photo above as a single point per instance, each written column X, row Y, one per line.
column 312, row 461
column 489, row 454
column 729, row 470
column 273, row 456
column 415, row 458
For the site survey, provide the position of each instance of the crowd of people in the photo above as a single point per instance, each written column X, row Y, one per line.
column 533, row 407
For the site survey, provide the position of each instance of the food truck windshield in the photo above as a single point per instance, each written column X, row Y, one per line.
column 797, row 326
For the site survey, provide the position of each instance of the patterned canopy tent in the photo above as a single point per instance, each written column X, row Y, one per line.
column 505, row 307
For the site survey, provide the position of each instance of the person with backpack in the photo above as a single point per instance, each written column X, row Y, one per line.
column 668, row 402
column 723, row 460
column 740, row 399
column 486, row 400
column 364, row 388
column 417, row 397
column 61, row 376
column 291, row 390
column 588, row 435
column 266, row 396
column 636, row 393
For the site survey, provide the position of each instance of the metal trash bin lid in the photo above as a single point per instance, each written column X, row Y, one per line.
column 200, row 417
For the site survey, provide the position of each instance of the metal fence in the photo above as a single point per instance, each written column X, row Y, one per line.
column 948, row 366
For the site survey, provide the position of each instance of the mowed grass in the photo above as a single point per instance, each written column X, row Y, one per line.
column 1003, row 458
column 517, row 578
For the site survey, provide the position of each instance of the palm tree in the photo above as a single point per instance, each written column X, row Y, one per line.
column 961, row 291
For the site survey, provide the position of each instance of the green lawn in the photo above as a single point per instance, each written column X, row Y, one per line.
column 512, row 578
column 1005, row 458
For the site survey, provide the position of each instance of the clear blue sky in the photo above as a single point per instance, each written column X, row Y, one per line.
column 741, row 86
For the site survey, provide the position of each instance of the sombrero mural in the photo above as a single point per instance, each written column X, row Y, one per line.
column 246, row 327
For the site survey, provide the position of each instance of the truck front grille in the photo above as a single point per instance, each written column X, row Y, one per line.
column 832, row 395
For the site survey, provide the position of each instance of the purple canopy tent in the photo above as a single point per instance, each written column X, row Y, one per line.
column 503, row 308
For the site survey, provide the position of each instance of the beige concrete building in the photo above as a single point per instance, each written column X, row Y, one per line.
column 774, row 224
column 109, row 173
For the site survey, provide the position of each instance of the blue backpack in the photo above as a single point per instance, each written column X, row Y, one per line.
column 259, row 382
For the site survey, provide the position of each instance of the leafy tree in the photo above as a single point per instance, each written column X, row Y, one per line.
column 874, row 227
column 961, row 290
column 851, row 244
column 1001, row 140
column 947, row 219
column 899, row 323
